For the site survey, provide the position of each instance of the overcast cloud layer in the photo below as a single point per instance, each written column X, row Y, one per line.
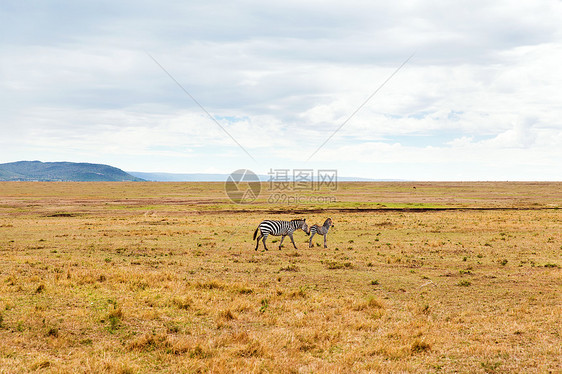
column 479, row 100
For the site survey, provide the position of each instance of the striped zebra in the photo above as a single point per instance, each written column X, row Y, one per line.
column 322, row 230
column 279, row 228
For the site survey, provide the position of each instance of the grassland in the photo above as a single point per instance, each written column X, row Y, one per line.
column 163, row 277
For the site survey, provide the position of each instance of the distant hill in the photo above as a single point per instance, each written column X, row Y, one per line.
column 177, row 177
column 62, row 171
column 201, row 177
column 86, row 172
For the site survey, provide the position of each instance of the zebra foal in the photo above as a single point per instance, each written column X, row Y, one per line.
column 279, row 228
column 322, row 230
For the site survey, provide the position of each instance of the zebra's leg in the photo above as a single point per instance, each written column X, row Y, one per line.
column 292, row 240
column 310, row 241
column 325, row 245
column 258, row 241
column 282, row 237
column 265, row 237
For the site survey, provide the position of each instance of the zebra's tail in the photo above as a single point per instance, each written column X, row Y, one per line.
column 256, row 233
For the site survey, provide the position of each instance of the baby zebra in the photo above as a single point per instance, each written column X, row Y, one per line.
column 322, row 230
column 279, row 228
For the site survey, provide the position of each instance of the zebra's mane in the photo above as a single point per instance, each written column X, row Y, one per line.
column 297, row 219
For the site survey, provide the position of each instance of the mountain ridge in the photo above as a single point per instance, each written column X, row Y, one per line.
column 219, row 177
column 62, row 172
column 90, row 172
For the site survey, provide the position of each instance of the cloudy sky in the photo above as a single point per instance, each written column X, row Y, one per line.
column 481, row 98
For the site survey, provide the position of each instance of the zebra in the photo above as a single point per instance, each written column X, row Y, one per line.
column 279, row 228
column 322, row 230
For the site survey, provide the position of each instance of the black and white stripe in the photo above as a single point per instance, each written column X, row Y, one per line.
column 322, row 230
column 279, row 228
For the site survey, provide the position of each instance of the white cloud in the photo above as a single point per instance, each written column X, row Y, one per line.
column 76, row 83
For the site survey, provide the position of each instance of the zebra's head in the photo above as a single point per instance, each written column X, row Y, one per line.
column 328, row 223
column 305, row 228
column 301, row 224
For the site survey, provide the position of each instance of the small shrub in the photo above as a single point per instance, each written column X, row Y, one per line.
column 419, row 346
column 464, row 283
column 264, row 305
column 182, row 303
column 244, row 290
column 375, row 303
column 332, row 265
column 138, row 284
column 45, row 364
column 172, row 328
column 290, row 267
column 114, row 323
column 114, row 318
column 227, row 315
column 301, row 292
column 199, row 352
column 252, row 349
column 53, row 331
column 149, row 342
column 371, row 303
column 210, row 285
column 490, row 367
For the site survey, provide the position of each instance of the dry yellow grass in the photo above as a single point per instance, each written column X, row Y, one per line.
column 146, row 277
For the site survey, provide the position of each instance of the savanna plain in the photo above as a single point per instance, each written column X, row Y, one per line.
column 163, row 277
